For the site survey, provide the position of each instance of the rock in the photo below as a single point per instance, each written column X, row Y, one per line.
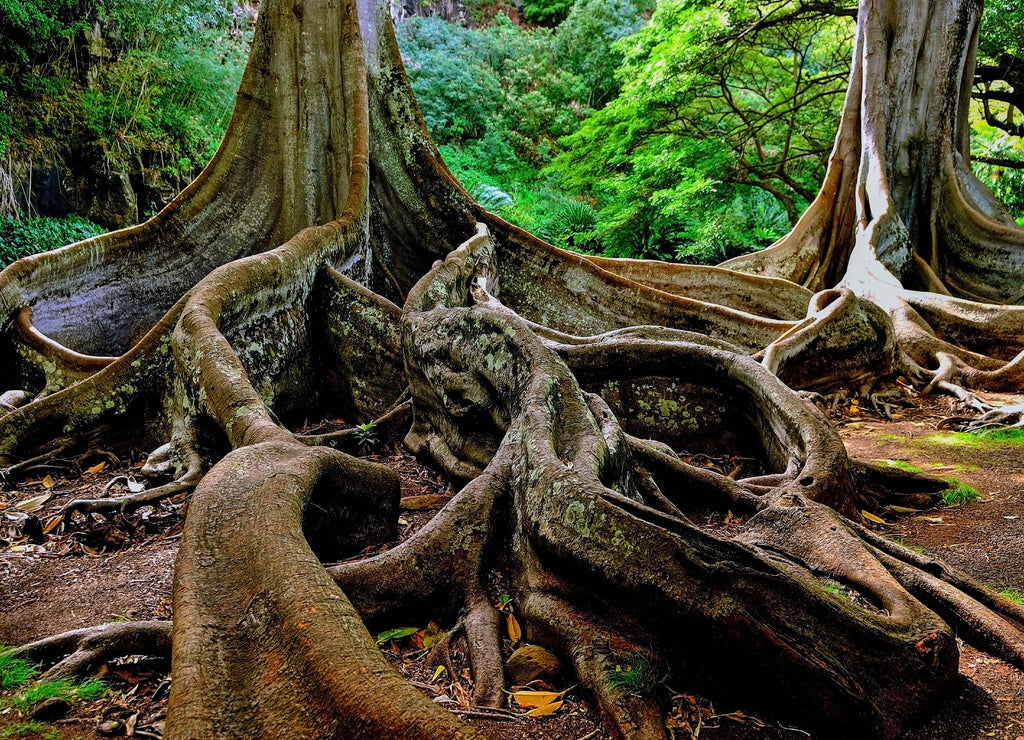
column 50, row 709
column 531, row 662
column 114, row 203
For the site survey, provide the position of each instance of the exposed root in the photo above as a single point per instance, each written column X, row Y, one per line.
column 188, row 481
column 1004, row 417
column 389, row 426
column 629, row 707
column 56, row 448
column 81, row 651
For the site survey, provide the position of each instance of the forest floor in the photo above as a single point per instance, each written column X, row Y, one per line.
column 96, row 569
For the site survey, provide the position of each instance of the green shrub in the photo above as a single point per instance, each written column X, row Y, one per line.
column 21, row 238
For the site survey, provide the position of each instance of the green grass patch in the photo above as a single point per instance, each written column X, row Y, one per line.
column 959, row 493
column 21, row 689
column 903, row 465
column 978, row 440
column 1013, row 594
column 14, row 671
column 29, row 729
column 634, row 675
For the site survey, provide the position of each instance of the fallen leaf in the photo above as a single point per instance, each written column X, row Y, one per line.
column 28, row 548
column 430, row 635
column 929, row 519
column 514, row 632
column 52, row 523
column 437, row 673
column 527, row 699
column 136, row 486
column 48, row 482
column 32, row 504
column 903, row 510
column 872, row 518
column 396, row 633
column 96, row 468
column 545, row 710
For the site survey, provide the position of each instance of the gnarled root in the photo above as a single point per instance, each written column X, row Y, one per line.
column 81, row 651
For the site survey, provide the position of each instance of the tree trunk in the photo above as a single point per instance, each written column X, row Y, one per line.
column 326, row 261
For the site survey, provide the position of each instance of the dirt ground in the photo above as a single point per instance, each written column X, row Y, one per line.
column 96, row 569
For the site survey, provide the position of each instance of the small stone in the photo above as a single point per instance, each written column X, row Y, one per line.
column 531, row 662
column 50, row 709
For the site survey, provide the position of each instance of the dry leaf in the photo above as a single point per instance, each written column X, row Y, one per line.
column 52, row 523
column 96, row 468
column 545, row 710
column 28, row 548
column 872, row 518
column 32, row 504
column 903, row 510
column 135, row 486
column 514, row 632
column 48, row 482
column 527, row 699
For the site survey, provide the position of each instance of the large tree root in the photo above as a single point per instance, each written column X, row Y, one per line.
column 561, row 388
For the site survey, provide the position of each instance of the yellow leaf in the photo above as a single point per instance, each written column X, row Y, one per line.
column 513, row 629
column 437, row 673
column 48, row 482
column 96, row 468
column 527, row 699
column 903, row 510
column 872, row 518
column 545, row 710
column 52, row 522
column 32, row 504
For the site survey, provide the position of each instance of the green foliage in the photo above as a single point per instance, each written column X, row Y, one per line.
column 635, row 675
column 959, row 493
column 715, row 105
column 586, row 39
column 120, row 78
column 366, row 437
column 495, row 91
column 904, row 465
column 31, row 236
column 546, row 12
column 29, row 729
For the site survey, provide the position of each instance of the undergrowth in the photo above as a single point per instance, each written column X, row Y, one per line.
column 959, row 493
column 30, row 236
column 21, row 688
column 634, row 675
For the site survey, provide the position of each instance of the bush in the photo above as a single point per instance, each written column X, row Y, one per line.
column 21, row 238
